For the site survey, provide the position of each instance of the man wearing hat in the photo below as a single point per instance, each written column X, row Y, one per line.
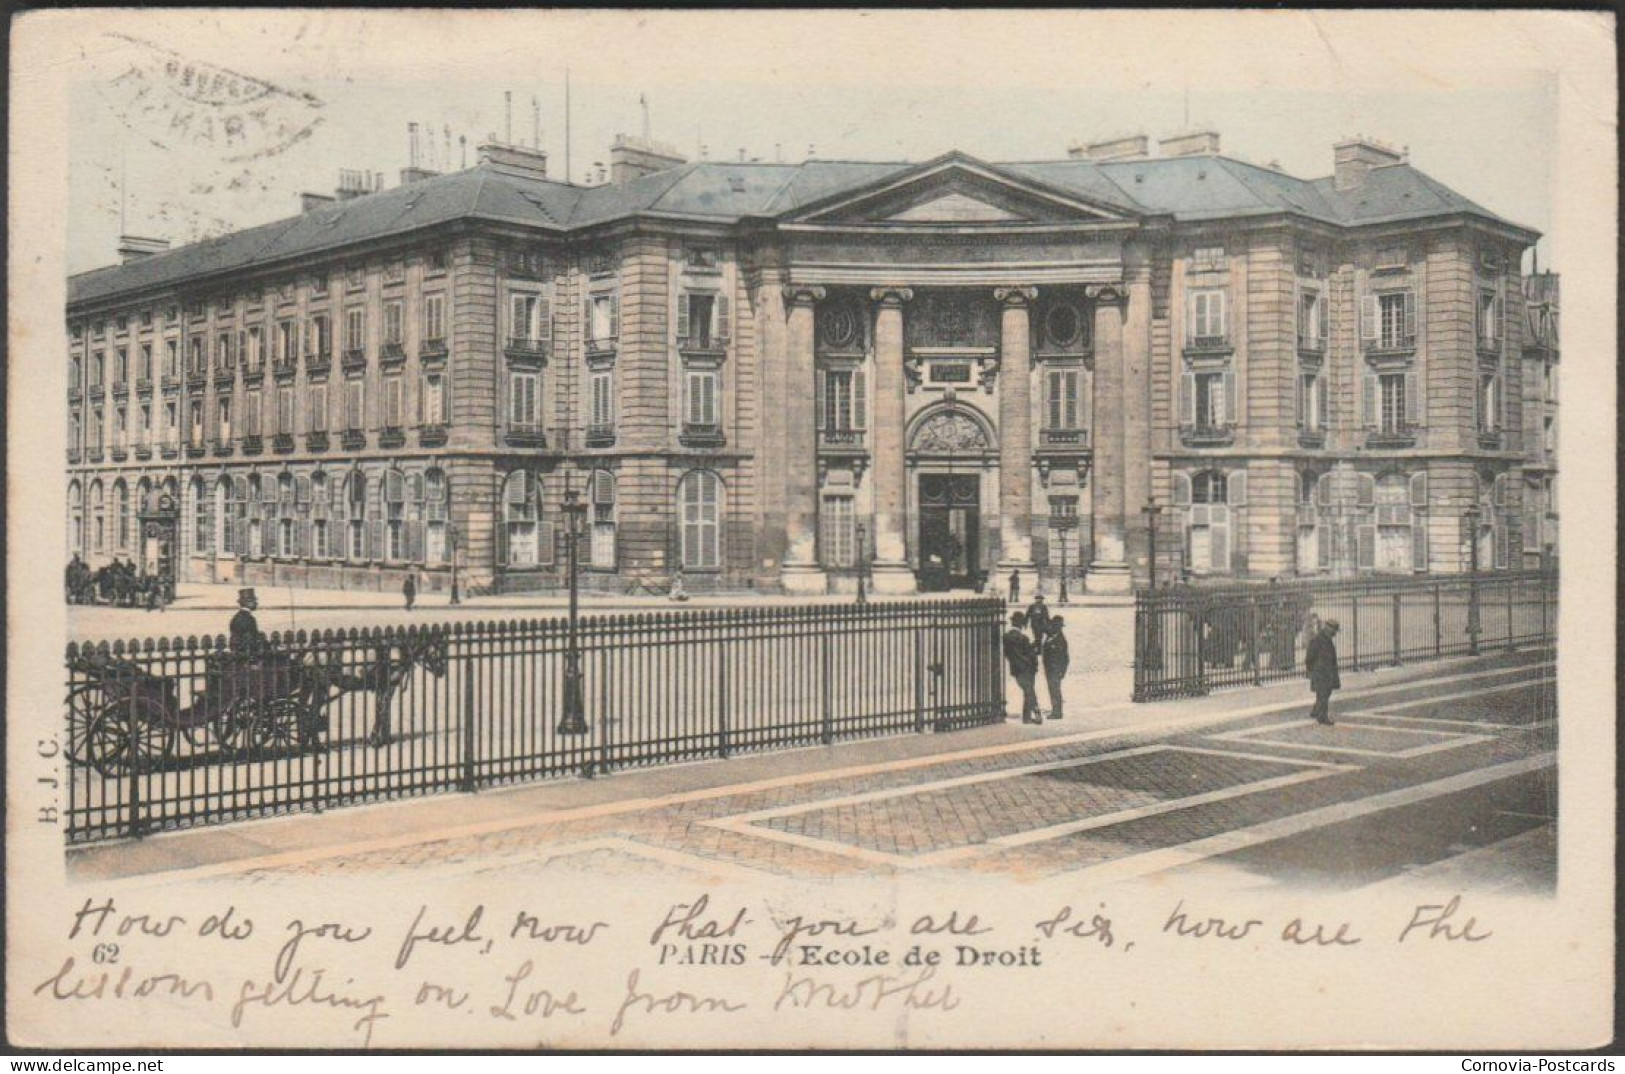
column 245, row 629
column 1321, row 662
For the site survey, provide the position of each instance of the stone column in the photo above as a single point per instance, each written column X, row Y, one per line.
column 801, row 572
column 1016, row 438
column 1137, row 420
column 1109, row 571
column 891, row 573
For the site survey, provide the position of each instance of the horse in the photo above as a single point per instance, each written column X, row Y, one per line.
column 386, row 673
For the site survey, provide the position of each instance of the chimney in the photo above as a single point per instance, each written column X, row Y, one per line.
column 415, row 175
column 135, row 248
column 308, row 202
column 631, row 157
column 516, row 159
column 1191, row 144
column 1352, row 158
column 1132, row 147
column 353, row 184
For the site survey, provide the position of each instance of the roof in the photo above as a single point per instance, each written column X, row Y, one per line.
column 1195, row 188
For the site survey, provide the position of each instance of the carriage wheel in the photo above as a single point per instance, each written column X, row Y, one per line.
column 277, row 728
column 233, row 726
column 81, row 713
column 129, row 735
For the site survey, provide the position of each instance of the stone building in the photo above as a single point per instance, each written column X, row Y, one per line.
column 771, row 376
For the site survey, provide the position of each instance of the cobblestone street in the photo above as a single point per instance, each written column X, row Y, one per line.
column 1424, row 765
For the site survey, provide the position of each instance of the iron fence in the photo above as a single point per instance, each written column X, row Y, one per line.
column 171, row 733
column 1189, row 640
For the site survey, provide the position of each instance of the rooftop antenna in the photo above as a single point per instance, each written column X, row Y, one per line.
column 567, row 178
column 643, row 103
column 535, row 122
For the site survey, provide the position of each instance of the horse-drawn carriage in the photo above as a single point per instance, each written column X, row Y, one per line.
column 124, row 716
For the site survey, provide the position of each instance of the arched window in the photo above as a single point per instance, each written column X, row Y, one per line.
column 1494, row 502
column 601, row 502
column 1206, row 500
column 414, row 517
column 521, row 515
column 355, row 514
column 76, row 519
column 699, row 501
column 255, row 545
column 225, row 544
column 394, row 516
column 239, row 514
column 287, row 544
column 436, row 510
column 121, row 515
column 98, row 521
column 320, row 546
column 202, row 517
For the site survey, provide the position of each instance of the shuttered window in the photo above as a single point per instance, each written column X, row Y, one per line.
column 521, row 512
column 699, row 498
column 524, row 408
column 1388, row 320
column 1206, row 317
column 603, row 399
column 700, row 389
column 838, row 536
column 1062, row 408
column 601, row 494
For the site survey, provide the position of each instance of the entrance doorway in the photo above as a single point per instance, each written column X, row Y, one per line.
column 950, row 528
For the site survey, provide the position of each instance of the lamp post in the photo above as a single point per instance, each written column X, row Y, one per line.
column 1151, row 510
column 1472, row 515
column 454, row 538
column 1063, row 524
column 574, row 721
column 863, row 563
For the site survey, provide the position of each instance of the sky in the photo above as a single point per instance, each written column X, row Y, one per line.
column 1477, row 107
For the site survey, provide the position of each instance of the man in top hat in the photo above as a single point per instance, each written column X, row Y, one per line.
column 1038, row 619
column 1321, row 663
column 1023, row 660
column 245, row 629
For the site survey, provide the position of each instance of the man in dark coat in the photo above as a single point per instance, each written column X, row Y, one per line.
column 1038, row 619
column 1321, row 663
column 1056, row 658
column 1023, row 661
column 1015, row 587
column 245, row 629
column 409, row 590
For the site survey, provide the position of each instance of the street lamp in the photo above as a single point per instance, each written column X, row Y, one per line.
column 454, row 538
column 574, row 721
column 1151, row 510
column 1063, row 524
column 863, row 563
column 1472, row 514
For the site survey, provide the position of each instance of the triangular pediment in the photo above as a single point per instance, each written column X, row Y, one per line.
column 954, row 191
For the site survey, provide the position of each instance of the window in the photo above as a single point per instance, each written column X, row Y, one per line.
column 528, row 319
column 95, row 443
column 197, row 360
column 1206, row 499
column 839, row 532
column 1391, row 403
column 524, row 408
column 224, row 519
column 1400, row 503
column 843, row 405
column 172, row 424
column 355, row 329
column 355, row 502
column 121, row 365
column 98, row 518
column 394, row 318
column 699, row 497
column 1489, row 318
column 603, row 399
column 355, row 405
column 316, row 409
column 1065, row 327
column 287, row 342
column 120, row 429
column 1312, row 408
column 172, row 351
column 144, row 372
column 1206, row 323
column 284, row 411
column 437, row 509
column 602, row 495
column 255, row 357
column 223, row 424
column 196, row 412
column 434, row 316
column 702, row 320
column 700, row 403
column 76, row 519
column 318, row 284
column 97, row 368
column 222, row 350
column 1549, row 436
column 1316, row 523
column 394, row 402
column 321, row 337
column 144, row 430
column 1313, row 320
column 254, row 545
column 251, row 414
column 1388, row 320
column 202, row 516
column 432, row 400
column 73, row 431
column 320, row 546
column 1490, row 412
column 1062, row 405
column 394, row 516
column 521, row 511
column 1207, row 258
column 603, row 319
column 121, row 516
column 1208, row 399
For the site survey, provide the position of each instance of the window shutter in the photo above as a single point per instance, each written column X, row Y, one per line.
column 860, row 401
column 1365, row 490
column 709, row 383
column 544, row 317
column 615, row 315
column 1368, row 400
column 1500, row 405
column 414, row 541
column 1322, row 402
column 586, row 331
column 1410, row 315
column 1413, row 401
column 1190, row 316
column 1071, row 382
column 1187, row 399
column 1236, row 488
column 1323, row 543
column 302, row 535
column 1323, row 305
column 1366, row 538
column 1217, row 313
column 1419, row 491
column 721, row 310
column 819, row 392
column 1053, row 381
column 547, row 541
column 1227, row 409
column 684, row 316
column 1181, row 490
column 1368, row 319
column 1419, row 537
column 1219, row 537
column 1302, row 405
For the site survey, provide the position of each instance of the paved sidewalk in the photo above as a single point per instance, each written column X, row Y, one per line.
column 1112, row 790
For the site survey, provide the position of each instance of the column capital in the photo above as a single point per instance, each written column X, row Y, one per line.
column 1015, row 297
column 801, row 294
column 891, row 296
column 1107, row 294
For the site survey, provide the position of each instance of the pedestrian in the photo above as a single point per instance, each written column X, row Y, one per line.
column 678, row 594
column 409, row 590
column 1023, row 662
column 1056, row 658
column 246, row 638
column 1038, row 619
column 1321, row 663
column 1015, row 587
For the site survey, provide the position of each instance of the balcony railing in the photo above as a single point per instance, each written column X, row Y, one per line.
column 143, row 384
column 74, row 393
column 1311, row 344
column 121, row 388
column 354, row 439
column 526, row 434
column 170, row 381
column 392, row 436
column 525, row 347
column 841, row 437
column 253, row 445
column 432, row 435
column 223, row 446
column 93, row 454
column 600, row 435
column 316, row 441
column 1398, row 435
column 1390, row 345
column 195, row 449
column 224, row 374
column 1198, row 435
column 74, row 455
column 701, row 434
column 355, row 358
column 118, row 454
column 285, row 367
column 431, row 349
column 170, row 448
column 1207, row 345
column 96, row 391
column 1490, row 439
column 1312, row 438
column 282, row 443
column 1063, row 438
column 392, row 351
column 318, row 361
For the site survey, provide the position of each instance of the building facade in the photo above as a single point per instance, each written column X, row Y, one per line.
column 775, row 376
